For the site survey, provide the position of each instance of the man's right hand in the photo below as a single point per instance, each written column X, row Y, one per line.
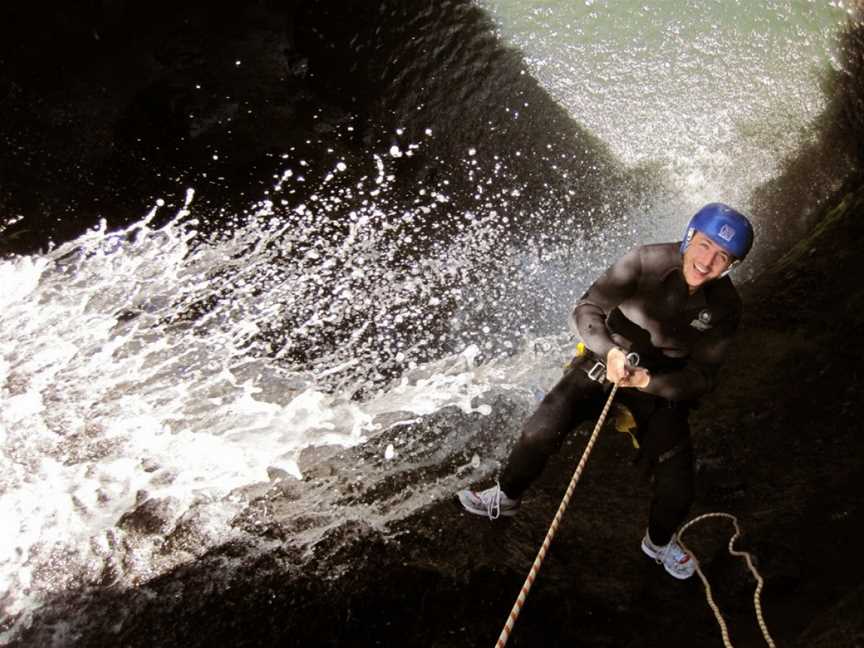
column 619, row 372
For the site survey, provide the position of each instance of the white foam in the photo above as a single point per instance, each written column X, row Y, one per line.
column 106, row 401
column 20, row 278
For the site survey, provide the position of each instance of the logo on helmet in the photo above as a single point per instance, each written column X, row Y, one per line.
column 726, row 233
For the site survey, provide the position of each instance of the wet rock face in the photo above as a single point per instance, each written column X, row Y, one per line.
column 107, row 110
column 407, row 68
column 826, row 168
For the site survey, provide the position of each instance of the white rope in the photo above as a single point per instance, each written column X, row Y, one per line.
column 553, row 528
column 757, row 602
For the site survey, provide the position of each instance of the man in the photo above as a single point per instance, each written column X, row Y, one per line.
column 674, row 306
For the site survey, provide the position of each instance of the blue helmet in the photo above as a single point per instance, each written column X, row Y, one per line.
column 726, row 227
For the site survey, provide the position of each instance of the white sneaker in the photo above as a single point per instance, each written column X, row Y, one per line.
column 492, row 502
column 674, row 559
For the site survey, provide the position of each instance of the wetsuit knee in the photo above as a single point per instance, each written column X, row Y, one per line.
column 543, row 439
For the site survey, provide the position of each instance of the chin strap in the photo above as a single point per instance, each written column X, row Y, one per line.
column 731, row 267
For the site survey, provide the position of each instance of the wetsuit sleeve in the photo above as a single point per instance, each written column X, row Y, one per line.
column 699, row 375
column 614, row 286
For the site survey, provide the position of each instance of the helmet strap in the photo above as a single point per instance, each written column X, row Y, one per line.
column 691, row 231
column 731, row 267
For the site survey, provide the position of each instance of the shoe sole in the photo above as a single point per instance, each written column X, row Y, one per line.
column 648, row 551
column 465, row 499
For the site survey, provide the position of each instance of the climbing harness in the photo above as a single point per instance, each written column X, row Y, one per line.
column 553, row 528
column 757, row 601
column 597, row 371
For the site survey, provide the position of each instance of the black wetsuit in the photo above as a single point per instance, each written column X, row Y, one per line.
column 642, row 303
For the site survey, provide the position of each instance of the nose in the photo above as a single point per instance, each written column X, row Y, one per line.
column 710, row 258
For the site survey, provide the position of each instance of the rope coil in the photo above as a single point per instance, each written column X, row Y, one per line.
column 757, row 594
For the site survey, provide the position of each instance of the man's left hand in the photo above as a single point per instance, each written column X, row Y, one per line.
column 635, row 377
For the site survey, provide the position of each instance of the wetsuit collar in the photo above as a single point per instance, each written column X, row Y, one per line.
column 694, row 299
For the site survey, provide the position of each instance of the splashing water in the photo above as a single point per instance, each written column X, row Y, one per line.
column 160, row 369
column 713, row 93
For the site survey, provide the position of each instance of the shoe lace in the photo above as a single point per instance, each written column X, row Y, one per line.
column 493, row 502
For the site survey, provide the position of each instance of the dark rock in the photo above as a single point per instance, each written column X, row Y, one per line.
column 315, row 462
column 149, row 465
column 153, row 515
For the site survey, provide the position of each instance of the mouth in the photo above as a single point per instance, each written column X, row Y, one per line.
column 701, row 270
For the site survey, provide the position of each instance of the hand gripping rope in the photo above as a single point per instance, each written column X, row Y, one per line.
column 553, row 528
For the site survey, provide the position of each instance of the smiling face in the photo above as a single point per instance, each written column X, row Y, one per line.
column 704, row 261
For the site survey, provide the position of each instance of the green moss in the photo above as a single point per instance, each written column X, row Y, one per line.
column 850, row 207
